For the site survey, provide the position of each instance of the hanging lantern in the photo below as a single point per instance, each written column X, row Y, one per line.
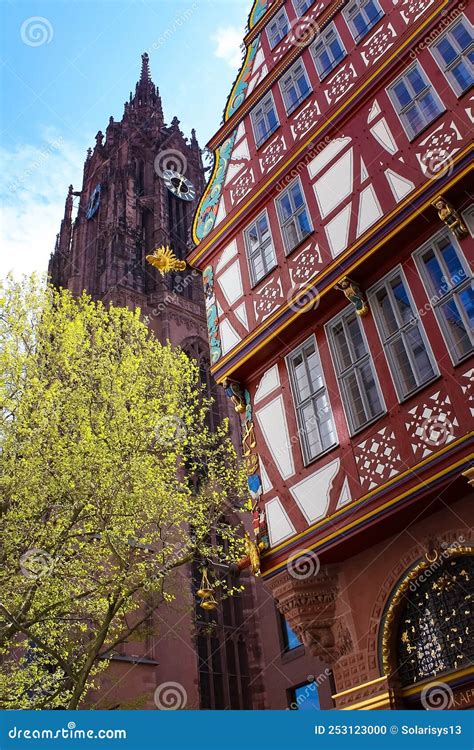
column 205, row 593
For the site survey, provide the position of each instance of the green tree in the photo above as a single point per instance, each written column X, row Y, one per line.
column 110, row 481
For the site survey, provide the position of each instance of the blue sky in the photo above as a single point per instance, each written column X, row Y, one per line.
column 67, row 65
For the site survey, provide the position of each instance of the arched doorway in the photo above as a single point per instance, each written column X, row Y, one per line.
column 428, row 627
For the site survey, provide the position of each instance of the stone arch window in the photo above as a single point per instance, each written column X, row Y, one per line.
column 432, row 632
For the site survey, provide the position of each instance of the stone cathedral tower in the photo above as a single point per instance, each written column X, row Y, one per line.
column 140, row 186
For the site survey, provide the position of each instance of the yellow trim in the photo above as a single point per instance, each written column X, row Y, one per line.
column 445, row 678
column 372, row 703
column 367, row 515
column 237, row 81
column 329, row 268
column 311, row 138
column 359, row 687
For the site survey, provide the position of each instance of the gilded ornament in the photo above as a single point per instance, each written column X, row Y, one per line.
column 164, row 259
column 450, row 217
column 354, row 294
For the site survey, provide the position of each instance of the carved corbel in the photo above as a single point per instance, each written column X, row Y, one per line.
column 450, row 216
column 354, row 294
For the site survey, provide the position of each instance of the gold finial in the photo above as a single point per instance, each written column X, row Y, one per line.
column 165, row 260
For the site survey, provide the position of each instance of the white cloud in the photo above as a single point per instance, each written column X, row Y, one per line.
column 228, row 40
column 34, row 188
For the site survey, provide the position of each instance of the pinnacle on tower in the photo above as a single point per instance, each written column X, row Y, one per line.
column 145, row 73
column 146, row 93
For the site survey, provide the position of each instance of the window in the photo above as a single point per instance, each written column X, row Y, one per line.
column 294, row 87
column 264, row 119
column 361, row 15
column 301, row 6
column 415, row 100
column 278, row 28
column 290, row 640
column 313, row 409
column 355, row 370
column 454, row 53
column 403, row 338
column 260, row 251
column 450, row 289
column 327, row 50
column 305, row 697
column 293, row 215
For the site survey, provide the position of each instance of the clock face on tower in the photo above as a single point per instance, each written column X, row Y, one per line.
column 179, row 185
column 94, row 202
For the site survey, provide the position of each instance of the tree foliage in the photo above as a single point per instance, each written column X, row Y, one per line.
column 110, row 480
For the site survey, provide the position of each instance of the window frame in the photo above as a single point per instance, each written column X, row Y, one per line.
column 298, row 13
column 401, row 111
column 283, row 222
column 446, row 69
column 349, row 18
column 331, row 27
column 420, row 265
column 387, row 339
column 281, row 12
column 293, row 697
column 290, row 108
column 250, row 256
column 349, row 312
column 261, row 104
column 311, row 398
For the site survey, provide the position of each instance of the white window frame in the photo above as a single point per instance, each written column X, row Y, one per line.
column 446, row 70
column 468, row 218
column 321, row 38
column 282, row 12
column 400, row 110
column 295, row 213
column 387, row 339
column 291, row 72
column 251, row 256
column 253, row 117
column 348, row 312
column 451, row 293
column 349, row 18
column 314, row 395
column 300, row 13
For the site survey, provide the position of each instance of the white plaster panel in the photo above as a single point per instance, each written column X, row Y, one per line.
column 241, row 314
column 266, row 484
column 227, row 254
column 268, row 382
column 337, row 230
column 345, row 496
column 326, row 155
column 369, row 209
column 335, row 184
column 229, row 336
column 312, row 494
column 400, row 186
column 383, row 135
column 279, row 525
column 273, row 424
column 230, row 281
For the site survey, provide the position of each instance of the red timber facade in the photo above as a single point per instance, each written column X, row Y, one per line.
column 239, row 656
column 335, row 238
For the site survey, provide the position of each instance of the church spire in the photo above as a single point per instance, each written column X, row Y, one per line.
column 145, row 76
column 146, row 93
